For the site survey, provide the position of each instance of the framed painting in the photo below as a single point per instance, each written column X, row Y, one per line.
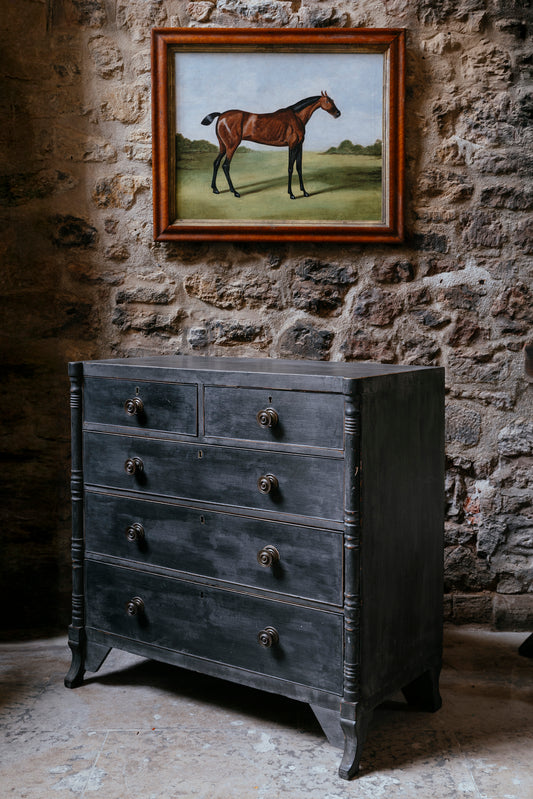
column 278, row 134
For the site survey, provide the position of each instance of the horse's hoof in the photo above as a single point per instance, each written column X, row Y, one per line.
column 236, row 194
column 216, row 191
column 292, row 196
column 306, row 194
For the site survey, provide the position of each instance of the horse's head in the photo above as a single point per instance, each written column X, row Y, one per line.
column 328, row 105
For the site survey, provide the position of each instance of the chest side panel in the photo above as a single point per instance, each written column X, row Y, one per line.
column 402, row 507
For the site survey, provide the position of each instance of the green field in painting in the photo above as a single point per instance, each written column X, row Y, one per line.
column 342, row 188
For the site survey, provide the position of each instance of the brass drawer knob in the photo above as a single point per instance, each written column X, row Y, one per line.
column 267, row 483
column 135, row 533
column 134, row 466
column 135, row 606
column 134, row 406
column 268, row 417
column 268, row 556
column 268, row 637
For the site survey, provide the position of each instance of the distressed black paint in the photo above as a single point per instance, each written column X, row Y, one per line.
column 352, row 608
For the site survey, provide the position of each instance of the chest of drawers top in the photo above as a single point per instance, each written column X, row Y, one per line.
column 163, row 395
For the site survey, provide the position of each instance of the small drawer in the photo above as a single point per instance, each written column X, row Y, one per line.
column 285, row 558
column 261, row 635
column 279, row 482
column 284, row 417
column 169, row 407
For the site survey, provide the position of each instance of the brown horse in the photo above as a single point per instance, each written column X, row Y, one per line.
column 283, row 128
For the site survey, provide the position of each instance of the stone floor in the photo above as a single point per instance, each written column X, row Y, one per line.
column 143, row 730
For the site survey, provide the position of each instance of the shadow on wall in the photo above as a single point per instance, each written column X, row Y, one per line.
column 44, row 315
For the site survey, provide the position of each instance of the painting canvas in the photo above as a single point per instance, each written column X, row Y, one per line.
column 341, row 155
column 280, row 140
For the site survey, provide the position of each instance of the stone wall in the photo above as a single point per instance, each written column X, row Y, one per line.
column 82, row 278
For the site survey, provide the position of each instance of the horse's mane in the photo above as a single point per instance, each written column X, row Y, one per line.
column 301, row 104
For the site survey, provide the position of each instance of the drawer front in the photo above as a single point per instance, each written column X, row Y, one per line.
column 307, row 485
column 170, row 407
column 218, row 625
column 308, row 419
column 308, row 562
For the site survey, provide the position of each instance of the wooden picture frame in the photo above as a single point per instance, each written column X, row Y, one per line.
column 353, row 189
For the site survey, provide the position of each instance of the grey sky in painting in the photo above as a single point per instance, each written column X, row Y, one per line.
column 264, row 82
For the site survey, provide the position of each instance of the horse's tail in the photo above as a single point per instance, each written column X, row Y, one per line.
column 210, row 117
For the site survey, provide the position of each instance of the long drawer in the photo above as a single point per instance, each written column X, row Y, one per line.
column 306, row 485
column 218, row 625
column 169, row 407
column 278, row 417
column 286, row 558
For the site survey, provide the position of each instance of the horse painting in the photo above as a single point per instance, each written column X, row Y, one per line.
column 282, row 128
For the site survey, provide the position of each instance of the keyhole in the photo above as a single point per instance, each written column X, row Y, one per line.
column 137, row 390
column 202, row 519
column 200, row 453
column 270, row 400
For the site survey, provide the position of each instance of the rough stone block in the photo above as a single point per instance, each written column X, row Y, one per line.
column 106, row 56
column 72, row 231
column 514, row 307
column 73, row 144
column 26, row 186
column 457, row 534
column 197, row 338
column 472, row 608
column 463, row 571
column 89, row 12
column 431, row 13
column 504, row 162
column 513, row 612
column 303, row 340
column 320, row 287
column 229, row 333
column 451, row 187
column 469, row 369
column 117, row 252
column 200, row 10
column 377, row 307
column 126, row 104
column 146, row 321
column 322, row 17
column 463, row 425
column 393, row 271
column 214, row 290
column 431, row 318
column 145, row 294
column 482, row 230
column 524, row 236
column 140, row 16
column 460, row 297
column 516, row 439
column 430, row 242
column 507, row 197
column 464, row 331
column 265, row 11
column 419, row 351
column 364, row 345
column 119, row 191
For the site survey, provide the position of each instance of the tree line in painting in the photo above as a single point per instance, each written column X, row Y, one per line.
column 185, row 146
column 347, row 147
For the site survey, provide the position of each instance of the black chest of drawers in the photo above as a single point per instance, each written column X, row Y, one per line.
column 275, row 523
